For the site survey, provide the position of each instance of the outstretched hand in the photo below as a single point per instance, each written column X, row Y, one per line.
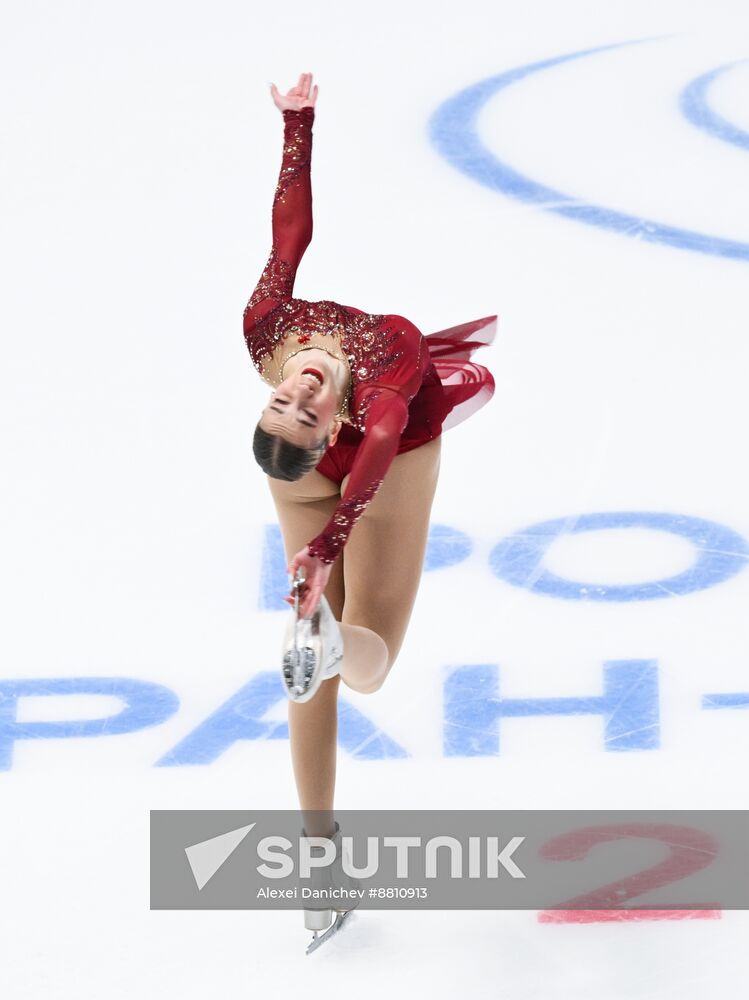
column 298, row 97
column 316, row 575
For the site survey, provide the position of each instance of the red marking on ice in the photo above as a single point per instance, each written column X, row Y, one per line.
column 618, row 916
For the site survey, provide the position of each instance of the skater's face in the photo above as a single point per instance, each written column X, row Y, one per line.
column 301, row 410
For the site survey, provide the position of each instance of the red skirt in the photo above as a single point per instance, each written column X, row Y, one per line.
column 453, row 388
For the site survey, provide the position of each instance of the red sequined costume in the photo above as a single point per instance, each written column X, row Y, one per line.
column 406, row 388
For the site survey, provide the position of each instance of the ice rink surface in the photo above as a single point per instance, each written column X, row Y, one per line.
column 579, row 169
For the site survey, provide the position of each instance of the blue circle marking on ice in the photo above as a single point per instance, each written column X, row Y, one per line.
column 452, row 130
column 720, row 553
column 694, row 105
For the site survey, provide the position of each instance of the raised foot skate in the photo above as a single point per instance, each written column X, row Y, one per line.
column 312, row 647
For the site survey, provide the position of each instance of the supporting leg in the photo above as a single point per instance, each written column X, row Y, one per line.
column 303, row 508
column 313, row 731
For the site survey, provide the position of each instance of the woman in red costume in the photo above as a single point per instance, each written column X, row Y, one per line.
column 349, row 439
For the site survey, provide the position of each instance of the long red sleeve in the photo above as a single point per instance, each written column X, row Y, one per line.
column 292, row 221
column 387, row 415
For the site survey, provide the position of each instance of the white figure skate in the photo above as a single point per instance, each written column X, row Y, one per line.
column 318, row 917
column 312, row 647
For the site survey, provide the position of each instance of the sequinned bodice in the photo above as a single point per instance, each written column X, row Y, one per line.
column 372, row 344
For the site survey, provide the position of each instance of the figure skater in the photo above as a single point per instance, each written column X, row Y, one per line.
column 351, row 435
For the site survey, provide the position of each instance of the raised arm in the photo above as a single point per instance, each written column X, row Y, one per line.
column 292, row 206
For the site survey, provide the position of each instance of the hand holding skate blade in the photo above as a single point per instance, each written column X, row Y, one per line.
column 312, row 647
column 317, row 574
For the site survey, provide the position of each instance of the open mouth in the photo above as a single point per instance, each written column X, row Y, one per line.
column 315, row 373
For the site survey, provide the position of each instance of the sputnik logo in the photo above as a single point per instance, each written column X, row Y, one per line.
column 207, row 856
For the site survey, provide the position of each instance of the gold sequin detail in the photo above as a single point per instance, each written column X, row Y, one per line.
column 276, row 282
column 296, row 148
column 328, row 544
column 364, row 406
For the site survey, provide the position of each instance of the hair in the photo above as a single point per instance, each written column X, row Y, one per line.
column 280, row 459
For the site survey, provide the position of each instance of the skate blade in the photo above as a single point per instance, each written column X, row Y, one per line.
column 318, row 939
